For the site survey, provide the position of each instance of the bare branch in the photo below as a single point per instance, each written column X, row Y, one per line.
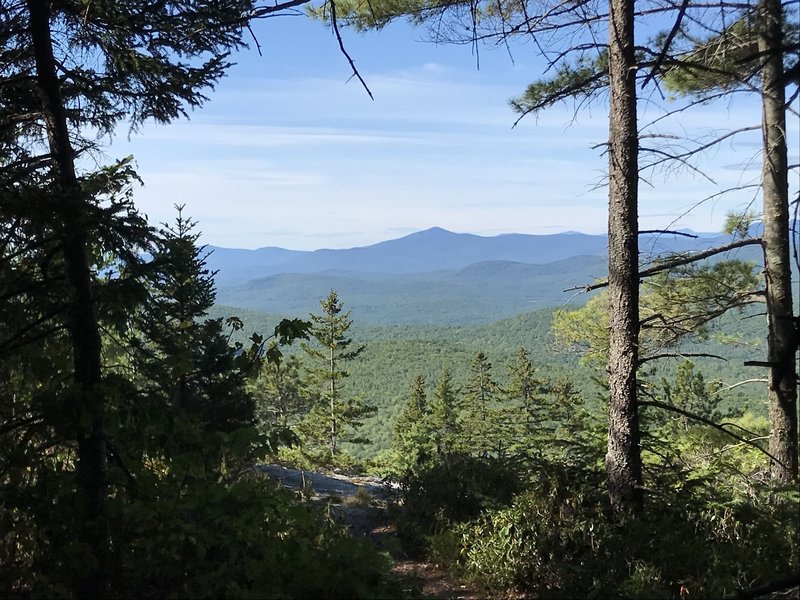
column 768, row 589
column 676, row 262
column 335, row 26
column 667, row 43
column 667, row 232
column 647, row 359
column 263, row 11
column 708, row 422
column 738, row 383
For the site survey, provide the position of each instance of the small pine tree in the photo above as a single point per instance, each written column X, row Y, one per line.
column 444, row 415
column 412, row 430
column 279, row 394
column 480, row 418
column 191, row 378
column 691, row 393
column 334, row 417
column 525, row 394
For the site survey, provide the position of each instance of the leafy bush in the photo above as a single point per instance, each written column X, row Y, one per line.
column 249, row 539
column 452, row 488
column 556, row 540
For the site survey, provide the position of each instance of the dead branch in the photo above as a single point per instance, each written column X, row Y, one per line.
column 676, row 262
column 667, row 43
column 768, row 588
column 680, row 355
column 738, row 383
column 343, row 50
column 694, row 417
column 667, row 232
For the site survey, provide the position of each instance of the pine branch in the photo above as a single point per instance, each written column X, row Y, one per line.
column 343, row 50
column 708, row 422
column 667, row 232
column 675, row 262
column 680, row 355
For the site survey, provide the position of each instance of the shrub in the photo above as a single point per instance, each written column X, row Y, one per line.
column 556, row 540
column 452, row 488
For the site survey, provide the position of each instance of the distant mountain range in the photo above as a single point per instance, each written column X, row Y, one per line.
column 433, row 276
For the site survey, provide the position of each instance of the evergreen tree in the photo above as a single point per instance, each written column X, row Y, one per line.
column 480, row 417
column 756, row 52
column 524, row 391
column 444, row 415
column 412, row 429
column 335, row 417
column 279, row 393
column 72, row 72
column 188, row 371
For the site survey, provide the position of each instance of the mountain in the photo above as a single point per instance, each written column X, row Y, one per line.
column 434, row 249
column 479, row 293
column 433, row 276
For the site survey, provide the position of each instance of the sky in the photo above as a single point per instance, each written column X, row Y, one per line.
column 290, row 151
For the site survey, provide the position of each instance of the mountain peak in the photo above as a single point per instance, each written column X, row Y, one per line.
column 435, row 231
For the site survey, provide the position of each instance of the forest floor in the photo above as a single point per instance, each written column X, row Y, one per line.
column 362, row 505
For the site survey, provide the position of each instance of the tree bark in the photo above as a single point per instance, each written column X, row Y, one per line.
column 623, row 459
column 782, row 333
column 70, row 218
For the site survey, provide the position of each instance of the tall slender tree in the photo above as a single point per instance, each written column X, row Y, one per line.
column 336, row 416
column 412, row 428
column 783, row 331
column 480, row 416
column 756, row 52
column 444, row 414
column 76, row 69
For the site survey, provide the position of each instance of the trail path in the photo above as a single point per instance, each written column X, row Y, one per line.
column 366, row 515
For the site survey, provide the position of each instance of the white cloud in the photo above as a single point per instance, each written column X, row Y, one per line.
column 310, row 161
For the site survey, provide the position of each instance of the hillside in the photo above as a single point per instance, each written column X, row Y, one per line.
column 479, row 293
column 434, row 250
column 396, row 353
column 432, row 277
column 436, row 298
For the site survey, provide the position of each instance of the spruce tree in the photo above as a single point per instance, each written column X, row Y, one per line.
column 444, row 415
column 524, row 392
column 480, row 417
column 412, row 429
column 335, row 417
column 189, row 373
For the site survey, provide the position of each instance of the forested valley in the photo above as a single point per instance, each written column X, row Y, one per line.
column 640, row 441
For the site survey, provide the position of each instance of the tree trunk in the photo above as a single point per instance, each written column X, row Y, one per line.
column 623, row 460
column 782, row 330
column 69, row 210
column 333, row 431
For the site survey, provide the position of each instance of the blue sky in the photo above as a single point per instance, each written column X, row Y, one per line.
column 289, row 153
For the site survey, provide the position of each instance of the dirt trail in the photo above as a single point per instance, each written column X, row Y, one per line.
column 360, row 503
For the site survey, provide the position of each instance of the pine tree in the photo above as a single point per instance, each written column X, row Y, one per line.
column 335, row 417
column 279, row 394
column 412, row 429
column 444, row 415
column 480, row 417
column 524, row 391
column 190, row 375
